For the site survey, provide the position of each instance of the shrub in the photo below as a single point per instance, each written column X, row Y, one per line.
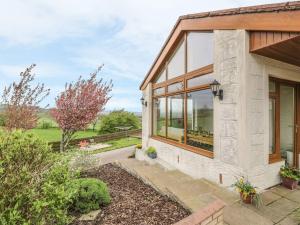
column 2, row 119
column 139, row 146
column 91, row 195
column 151, row 150
column 120, row 118
column 36, row 184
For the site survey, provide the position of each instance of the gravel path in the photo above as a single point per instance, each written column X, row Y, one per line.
column 133, row 202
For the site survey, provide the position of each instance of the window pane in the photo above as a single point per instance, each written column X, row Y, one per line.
column 175, row 87
column 199, row 50
column 175, row 118
column 159, row 91
column 200, row 119
column 201, row 80
column 287, row 123
column 272, row 86
column 161, row 77
column 176, row 65
column 271, row 126
column 159, row 116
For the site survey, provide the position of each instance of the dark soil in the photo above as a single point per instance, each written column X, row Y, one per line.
column 133, row 202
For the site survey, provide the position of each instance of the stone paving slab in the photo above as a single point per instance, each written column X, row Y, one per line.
column 277, row 210
column 279, row 203
column 290, row 220
column 268, row 197
column 238, row 214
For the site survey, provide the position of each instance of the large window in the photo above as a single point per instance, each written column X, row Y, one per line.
column 200, row 119
column 182, row 99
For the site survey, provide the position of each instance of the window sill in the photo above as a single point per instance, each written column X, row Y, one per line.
column 198, row 151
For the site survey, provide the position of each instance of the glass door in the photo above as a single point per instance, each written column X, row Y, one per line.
column 287, row 123
column 282, row 121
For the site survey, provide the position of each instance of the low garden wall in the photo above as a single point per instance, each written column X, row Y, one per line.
column 212, row 214
column 100, row 138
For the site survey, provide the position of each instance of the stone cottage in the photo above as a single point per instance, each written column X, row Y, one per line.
column 222, row 97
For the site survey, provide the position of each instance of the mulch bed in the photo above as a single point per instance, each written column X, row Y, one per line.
column 133, row 202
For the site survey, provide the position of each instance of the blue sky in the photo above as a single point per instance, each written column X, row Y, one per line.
column 68, row 38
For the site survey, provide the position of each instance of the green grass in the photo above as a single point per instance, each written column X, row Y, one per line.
column 54, row 134
column 119, row 143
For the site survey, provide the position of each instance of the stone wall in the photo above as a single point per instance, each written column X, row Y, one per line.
column 210, row 215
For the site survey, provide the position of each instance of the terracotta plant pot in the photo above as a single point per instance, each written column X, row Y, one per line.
column 248, row 199
column 289, row 183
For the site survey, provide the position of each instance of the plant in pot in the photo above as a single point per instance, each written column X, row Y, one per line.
column 289, row 176
column 248, row 193
column 151, row 152
column 138, row 146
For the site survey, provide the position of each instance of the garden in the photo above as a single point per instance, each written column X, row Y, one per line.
column 42, row 185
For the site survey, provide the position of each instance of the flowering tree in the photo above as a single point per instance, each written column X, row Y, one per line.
column 21, row 101
column 79, row 104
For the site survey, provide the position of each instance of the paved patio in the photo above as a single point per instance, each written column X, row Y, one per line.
column 279, row 204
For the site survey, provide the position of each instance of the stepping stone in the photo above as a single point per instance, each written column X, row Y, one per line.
column 90, row 216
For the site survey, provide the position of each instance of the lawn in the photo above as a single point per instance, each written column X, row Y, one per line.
column 54, row 134
column 119, row 143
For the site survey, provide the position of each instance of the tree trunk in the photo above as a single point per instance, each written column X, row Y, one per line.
column 62, row 142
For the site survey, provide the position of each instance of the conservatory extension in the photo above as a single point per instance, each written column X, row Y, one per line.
column 222, row 99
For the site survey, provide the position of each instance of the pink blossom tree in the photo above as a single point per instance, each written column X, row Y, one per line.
column 79, row 104
column 21, row 101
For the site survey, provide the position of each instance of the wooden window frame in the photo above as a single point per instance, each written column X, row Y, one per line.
column 183, row 78
column 276, row 156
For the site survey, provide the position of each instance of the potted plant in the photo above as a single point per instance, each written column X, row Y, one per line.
column 289, row 176
column 247, row 191
column 151, row 152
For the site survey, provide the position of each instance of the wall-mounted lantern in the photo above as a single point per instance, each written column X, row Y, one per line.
column 144, row 103
column 215, row 89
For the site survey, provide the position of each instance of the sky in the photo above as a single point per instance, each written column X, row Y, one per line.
column 69, row 38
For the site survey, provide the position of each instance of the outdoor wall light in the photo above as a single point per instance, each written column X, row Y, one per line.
column 144, row 103
column 215, row 89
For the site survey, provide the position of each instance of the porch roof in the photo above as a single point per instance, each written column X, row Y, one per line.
column 281, row 17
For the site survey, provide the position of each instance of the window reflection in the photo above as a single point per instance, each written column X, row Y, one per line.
column 159, row 116
column 200, row 119
column 176, row 118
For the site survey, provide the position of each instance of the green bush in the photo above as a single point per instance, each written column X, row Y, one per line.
column 91, row 195
column 120, row 118
column 45, row 124
column 2, row 119
column 151, row 150
column 36, row 185
column 289, row 172
column 139, row 146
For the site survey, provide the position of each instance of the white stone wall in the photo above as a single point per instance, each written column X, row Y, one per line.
column 258, row 71
column 240, row 120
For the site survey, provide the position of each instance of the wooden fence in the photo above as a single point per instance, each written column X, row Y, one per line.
column 100, row 138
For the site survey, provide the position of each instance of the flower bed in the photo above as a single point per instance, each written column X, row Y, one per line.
column 133, row 202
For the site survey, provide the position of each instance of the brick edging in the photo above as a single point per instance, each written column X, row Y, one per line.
column 211, row 214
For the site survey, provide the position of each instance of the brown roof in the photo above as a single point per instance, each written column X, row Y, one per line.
column 277, row 7
column 267, row 8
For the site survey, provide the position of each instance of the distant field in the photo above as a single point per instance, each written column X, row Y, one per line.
column 54, row 134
